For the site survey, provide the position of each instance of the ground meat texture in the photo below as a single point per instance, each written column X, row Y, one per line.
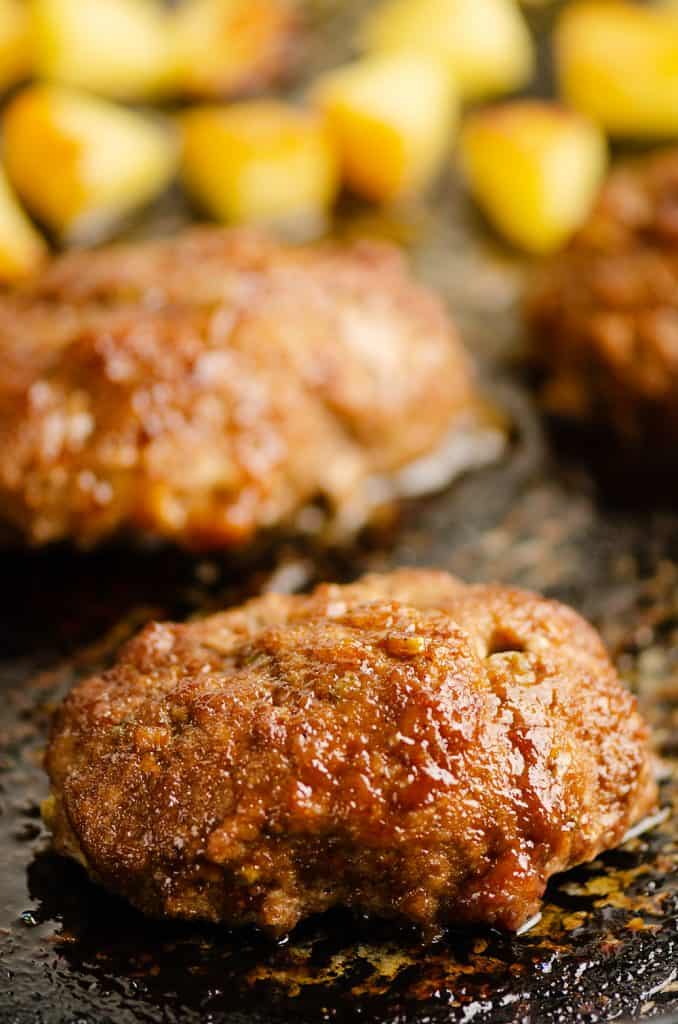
column 208, row 386
column 604, row 314
column 407, row 746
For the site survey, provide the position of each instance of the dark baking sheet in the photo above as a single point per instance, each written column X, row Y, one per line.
column 607, row 946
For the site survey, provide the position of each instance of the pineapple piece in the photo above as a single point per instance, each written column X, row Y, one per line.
column 485, row 43
column 22, row 249
column 81, row 163
column 261, row 161
column 118, row 48
column 535, row 170
column 227, row 47
column 15, row 56
column 393, row 117
column 618, row 63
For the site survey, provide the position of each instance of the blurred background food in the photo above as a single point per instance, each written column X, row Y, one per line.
column 117, row 48
column 80, row 162
column 603, row 315
column 618, row 63
column 22, row 248
column 260, row 161
column 144, row 50
column 208, row 387
column 15, row 42
column 108, row 103
column 224, row 47
column 485, row 44
column 534, row 168
column 391, row 118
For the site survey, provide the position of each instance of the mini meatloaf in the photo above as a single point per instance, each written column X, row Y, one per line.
column 408, row 746
column 202, row 388
column 604, row 314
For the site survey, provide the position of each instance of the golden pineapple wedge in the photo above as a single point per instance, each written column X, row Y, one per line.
column 260, row 161
column 485, row 43
column 227, row 47
column 22, row 248
column 618, row 63
column 122, row 49
column 81, row 163
column 393, row 117
column 15, row 49
column 534, row 169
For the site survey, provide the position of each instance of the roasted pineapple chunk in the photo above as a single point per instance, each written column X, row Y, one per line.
column 22, row 249
column 618, row 63
column 261, row 161
column 118, row 48
column 15, row 58
column 80, row 163
column 534, row 168
column 226, row 47
column 485, row 43
column 392, row 117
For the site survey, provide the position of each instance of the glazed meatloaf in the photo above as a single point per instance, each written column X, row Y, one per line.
column 408, row 746
column 604, row 314
column 205, row 387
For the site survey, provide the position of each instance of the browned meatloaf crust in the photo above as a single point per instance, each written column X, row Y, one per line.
column 604, row 314
column 408, row 746
column 204, row 387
